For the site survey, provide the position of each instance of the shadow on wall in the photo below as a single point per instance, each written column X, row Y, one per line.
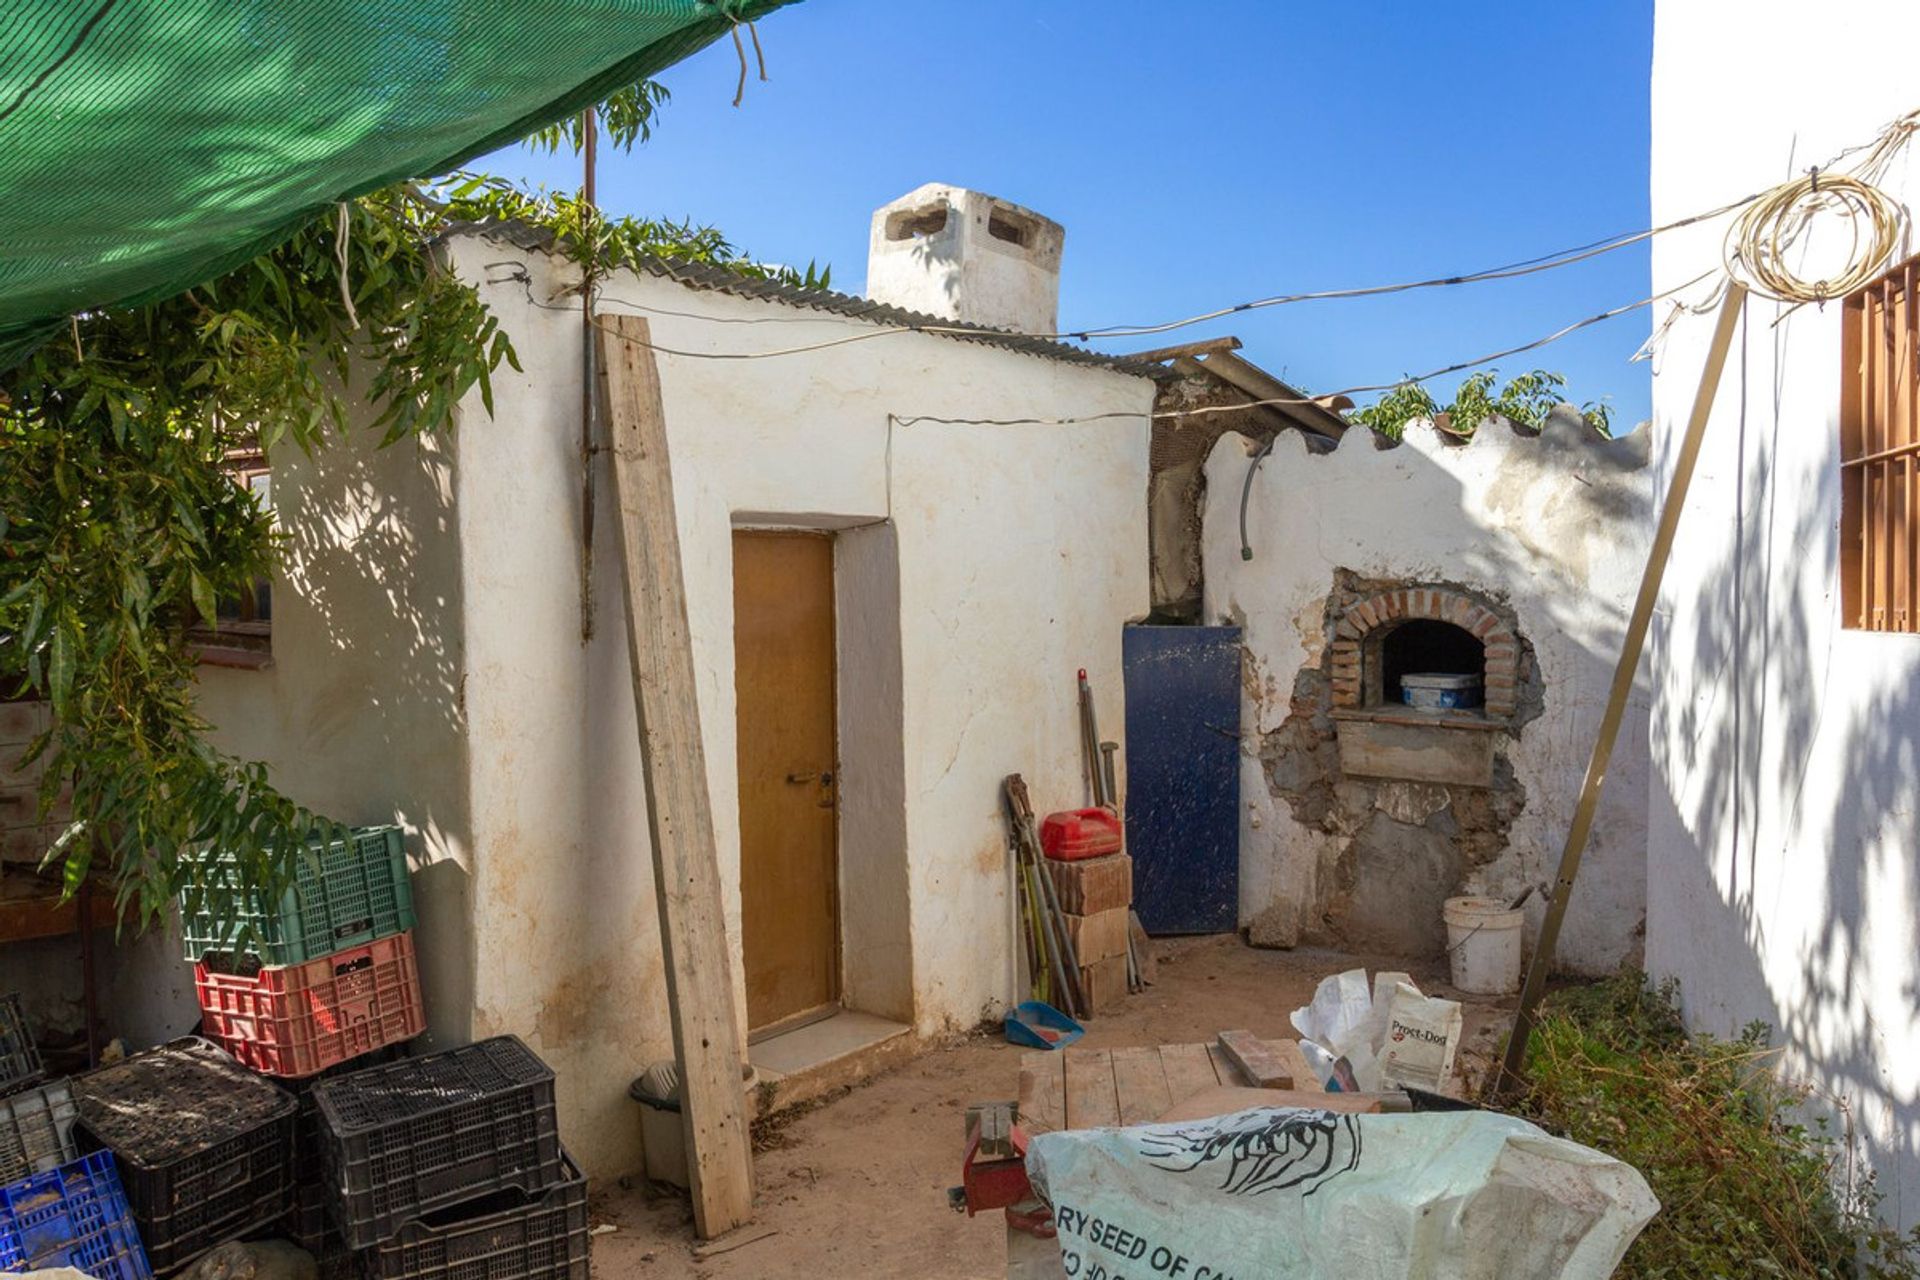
column 360, row 715
column 1518, row 523
column 374, row 568
column 1757, row 752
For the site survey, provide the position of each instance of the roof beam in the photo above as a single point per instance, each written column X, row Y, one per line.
column 1205, row 347
column 1303, row 411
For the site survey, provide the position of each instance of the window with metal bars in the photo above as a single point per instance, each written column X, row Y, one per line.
column 1880, row 454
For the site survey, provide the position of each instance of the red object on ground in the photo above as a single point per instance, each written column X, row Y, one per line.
column 994, row 1184
column 297, row 1019
column 1080, row 833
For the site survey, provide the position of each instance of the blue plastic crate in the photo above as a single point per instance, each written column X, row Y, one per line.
column 74, row 1216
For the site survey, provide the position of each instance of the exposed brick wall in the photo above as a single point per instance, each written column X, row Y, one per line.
column 1388, row 608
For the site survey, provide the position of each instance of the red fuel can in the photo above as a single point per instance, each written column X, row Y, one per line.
column 1080, row 833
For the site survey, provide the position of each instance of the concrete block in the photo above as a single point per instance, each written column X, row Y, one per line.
column 1416, row 753
column 1104, row 983
column 1093, row 884
column 1099, row 936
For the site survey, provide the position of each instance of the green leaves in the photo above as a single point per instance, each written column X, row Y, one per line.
column 627, row 117
column 1746, row 1187
column 1526, row 400
column 120, row 529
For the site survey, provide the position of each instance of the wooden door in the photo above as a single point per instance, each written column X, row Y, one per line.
column 784, row 689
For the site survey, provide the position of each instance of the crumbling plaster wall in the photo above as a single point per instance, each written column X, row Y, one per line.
column 1549, row 533
column 1004, row 557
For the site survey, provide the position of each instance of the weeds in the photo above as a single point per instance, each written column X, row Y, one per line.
column 1747, row 1186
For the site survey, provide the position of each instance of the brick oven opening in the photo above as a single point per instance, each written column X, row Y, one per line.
column 1423, row 646
column 1384, row 638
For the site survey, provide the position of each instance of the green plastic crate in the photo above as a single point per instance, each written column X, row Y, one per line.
column 345, row 894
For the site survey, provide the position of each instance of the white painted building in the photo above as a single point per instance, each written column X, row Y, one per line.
column 427, row 661
column 1359, row 818
column 1783, row 874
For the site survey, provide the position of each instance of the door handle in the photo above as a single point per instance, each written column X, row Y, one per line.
column 801, row 779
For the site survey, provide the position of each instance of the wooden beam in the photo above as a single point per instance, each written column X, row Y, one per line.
column 1261, row 385
column 686, row 865
column 1264, row 413
column 1204, row 347
column 1672, row 508
column 1262, row 1067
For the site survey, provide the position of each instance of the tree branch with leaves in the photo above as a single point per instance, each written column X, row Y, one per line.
column 120, row 529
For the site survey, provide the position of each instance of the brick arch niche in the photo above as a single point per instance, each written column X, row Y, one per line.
column 1360, row 645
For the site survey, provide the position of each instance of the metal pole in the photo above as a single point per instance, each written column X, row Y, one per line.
column 589, row 373
column 1623, row 673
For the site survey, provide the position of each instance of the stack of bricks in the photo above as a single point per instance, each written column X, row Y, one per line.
column 1096, row 895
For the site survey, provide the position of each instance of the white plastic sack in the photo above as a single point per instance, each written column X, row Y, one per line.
column 1340, row 1013
column 1279, row 1193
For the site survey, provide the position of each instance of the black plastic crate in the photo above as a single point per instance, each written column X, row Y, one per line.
column 416, row 1136
column 19, row 1056
column 310, row 1228
column 205, row 1147
column 36, row 1131
column 509, row 1235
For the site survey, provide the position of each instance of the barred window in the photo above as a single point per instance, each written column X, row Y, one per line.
column 1880, row 455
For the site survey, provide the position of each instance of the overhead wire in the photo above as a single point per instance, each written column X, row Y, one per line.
column 1756, row 251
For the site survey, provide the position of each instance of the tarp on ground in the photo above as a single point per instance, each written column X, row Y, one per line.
column 1284, row 1193
column 147, row 145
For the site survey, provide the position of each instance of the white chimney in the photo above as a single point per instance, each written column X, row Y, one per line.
column 964, row 255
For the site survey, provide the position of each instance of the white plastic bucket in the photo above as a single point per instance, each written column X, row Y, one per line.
column 1483, row 942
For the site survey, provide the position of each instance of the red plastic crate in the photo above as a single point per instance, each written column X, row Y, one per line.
column 298, row 1019
column 1080, row 833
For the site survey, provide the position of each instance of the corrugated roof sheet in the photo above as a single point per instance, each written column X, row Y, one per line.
column 712, row 279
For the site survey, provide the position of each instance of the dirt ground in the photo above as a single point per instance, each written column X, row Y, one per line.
column 858, row 1186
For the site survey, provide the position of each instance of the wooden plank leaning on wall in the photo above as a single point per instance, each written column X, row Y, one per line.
column 686, row 868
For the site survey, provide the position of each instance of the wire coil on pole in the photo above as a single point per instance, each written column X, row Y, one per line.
column 1761, row 239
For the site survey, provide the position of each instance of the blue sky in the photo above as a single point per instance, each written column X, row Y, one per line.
column 1201, row 154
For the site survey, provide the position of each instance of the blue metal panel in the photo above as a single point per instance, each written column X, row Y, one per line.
column 1183, row 776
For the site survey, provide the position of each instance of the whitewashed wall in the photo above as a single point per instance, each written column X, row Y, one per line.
column 992, row 560
column 362, row 714
column 1555, row 529
column 1783, row 878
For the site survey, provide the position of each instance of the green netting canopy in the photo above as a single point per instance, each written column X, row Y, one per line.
column 147, row 145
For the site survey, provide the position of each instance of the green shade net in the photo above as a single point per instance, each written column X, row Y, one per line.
column 148, row 145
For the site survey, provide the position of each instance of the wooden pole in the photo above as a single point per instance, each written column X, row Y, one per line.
column 686, row 866
column 589, row 379
column 1623, row 674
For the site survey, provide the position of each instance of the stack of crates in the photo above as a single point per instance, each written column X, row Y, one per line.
column 204, row 1146
column 323, row 982
column 58, row 1208
column 328, row 974
column 450, row 1166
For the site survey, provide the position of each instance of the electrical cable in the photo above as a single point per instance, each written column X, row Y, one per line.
column 1758, row 243
column 1880, row 150
column 1770, row 223
column 1276, row 401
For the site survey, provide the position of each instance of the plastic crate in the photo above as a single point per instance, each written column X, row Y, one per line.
column 509, row 1235
column 296, row 1020
column 345, row 894
column 205, row 1147
column 412, row 1137
column 19, row 1057
column 36, row 1131
column 309, row 1227
column 73, row 1216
